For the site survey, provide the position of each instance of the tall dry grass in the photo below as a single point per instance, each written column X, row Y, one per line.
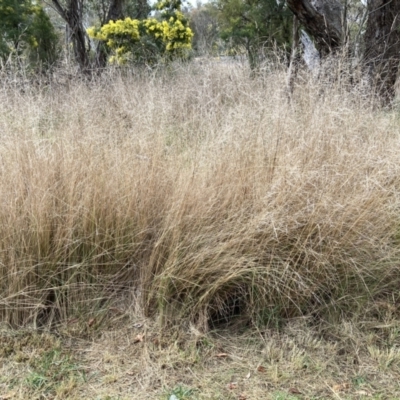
column 201, row 191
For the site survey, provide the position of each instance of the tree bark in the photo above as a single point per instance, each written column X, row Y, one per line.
column 322, row 19
column 74, row 20
column 293, row 57
column 382, row 43
column 115, row 12
column 72, row 15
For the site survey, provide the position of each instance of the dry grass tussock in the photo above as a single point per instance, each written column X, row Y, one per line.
column 203, row 193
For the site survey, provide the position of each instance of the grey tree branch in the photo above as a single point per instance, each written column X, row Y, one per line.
column 57, row 6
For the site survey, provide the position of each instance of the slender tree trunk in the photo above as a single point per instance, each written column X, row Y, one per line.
column 382, row 43
column 294, row 57
column 115, row 10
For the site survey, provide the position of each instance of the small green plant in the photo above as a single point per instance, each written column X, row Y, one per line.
column 51, row 370
column 359, row 381
column 181, row 393
column 37, row 381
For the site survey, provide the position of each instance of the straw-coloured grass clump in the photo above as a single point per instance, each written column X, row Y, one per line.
column 203, row 192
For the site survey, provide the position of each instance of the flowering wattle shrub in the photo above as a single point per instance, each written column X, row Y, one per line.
column 145, row 41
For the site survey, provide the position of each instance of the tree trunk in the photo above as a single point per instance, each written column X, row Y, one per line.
column 74, row 20
column 72, row 15
column 322, row 19
column 382, row 43
column 115, row 12
column 294, row 57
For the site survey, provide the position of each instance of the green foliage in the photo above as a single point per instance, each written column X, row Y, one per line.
column 146, row 41
column 254, row 24
column 25, row 29
column 47, row 48
column 15, row 17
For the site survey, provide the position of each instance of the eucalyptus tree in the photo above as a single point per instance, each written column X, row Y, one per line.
column 72, row 12
column 378, row 34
